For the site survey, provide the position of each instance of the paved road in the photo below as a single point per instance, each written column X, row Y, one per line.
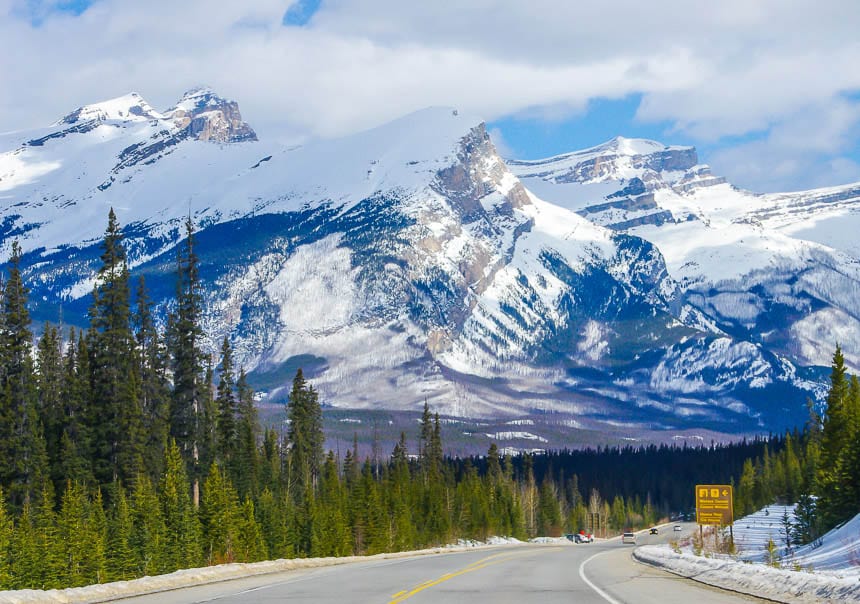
column 598, row 573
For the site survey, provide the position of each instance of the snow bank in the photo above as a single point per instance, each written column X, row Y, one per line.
column 754, row 579
column 106, row 592
column 826, row 571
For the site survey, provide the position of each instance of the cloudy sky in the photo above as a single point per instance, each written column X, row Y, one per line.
column 768, row 90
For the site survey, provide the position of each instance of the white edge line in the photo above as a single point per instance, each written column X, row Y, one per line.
column 599, row 591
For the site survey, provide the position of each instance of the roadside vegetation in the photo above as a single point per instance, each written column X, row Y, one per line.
column 126, row 451
column 817, row 469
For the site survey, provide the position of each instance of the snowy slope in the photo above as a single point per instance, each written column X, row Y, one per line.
column 409, row 263
column 826, row 571
column 780, row 270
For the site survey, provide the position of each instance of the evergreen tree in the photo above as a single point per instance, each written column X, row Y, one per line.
column 221, row 517
column 250, row 545
column 75, row 441
column 246, row 462
column 305, row 434
column 837, row 433
column 154, row 385
column 149, row 531
column 225, row 401
column 23, row 454
column 6, row 542
column 124, row 564
column 117, row 419
column 49, row 386
column 182, row 541
column 185, row 335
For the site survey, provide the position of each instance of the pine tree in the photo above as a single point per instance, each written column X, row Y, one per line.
column 182, row 542
column 225, row 401
column 250, row 546
column 154, row 385
column 305, row 434
column 220, row 512
column 27, row 566
column 836, row 436
column 149, row 531
column 23, row 455
column 116, row 415
column 47, row 540
column 124, row 564
column 49, row 386
column 185, row 335
column 75, row 441
column 246, row 462
column 6, row 541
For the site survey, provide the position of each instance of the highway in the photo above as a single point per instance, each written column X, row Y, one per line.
column 597, row 573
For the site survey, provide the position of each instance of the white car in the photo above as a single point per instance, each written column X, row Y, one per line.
column 677, row 528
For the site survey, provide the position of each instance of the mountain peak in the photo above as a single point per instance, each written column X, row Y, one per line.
column 129, row 107
column 210, row 117
column 632, row 147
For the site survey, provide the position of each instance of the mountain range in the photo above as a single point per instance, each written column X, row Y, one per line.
column 619, row 290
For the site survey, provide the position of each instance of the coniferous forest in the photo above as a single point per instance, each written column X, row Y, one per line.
column 127, row 451
column 817, row 469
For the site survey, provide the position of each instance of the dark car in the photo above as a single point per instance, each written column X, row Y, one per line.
column 653, row 531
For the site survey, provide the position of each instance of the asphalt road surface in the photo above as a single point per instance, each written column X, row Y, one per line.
column 596, row 573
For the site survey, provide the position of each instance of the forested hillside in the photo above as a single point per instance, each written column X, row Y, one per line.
column 126, row 451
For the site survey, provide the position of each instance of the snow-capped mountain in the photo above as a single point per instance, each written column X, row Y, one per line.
column 622, row 285
column 779, row 270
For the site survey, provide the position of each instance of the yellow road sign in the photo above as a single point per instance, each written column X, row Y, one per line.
column 714, row 504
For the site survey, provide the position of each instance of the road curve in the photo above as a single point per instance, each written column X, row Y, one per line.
column 599, row 573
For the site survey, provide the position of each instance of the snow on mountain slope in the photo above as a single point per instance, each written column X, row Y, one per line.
column 781, row 270
column 409, row 263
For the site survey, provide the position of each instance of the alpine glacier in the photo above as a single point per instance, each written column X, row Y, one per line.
column 620, row 285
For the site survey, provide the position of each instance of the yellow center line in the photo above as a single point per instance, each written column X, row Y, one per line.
column 482, row 563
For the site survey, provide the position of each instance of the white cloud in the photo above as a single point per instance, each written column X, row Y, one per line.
column 737, row 67
column 499, row 142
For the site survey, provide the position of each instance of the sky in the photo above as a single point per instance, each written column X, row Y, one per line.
column 767, row 90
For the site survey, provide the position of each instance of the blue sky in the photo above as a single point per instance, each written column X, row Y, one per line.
column 769, row 93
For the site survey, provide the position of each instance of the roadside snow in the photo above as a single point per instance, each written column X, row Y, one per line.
column 107, row 592
column 754, row 579
column 827, row 572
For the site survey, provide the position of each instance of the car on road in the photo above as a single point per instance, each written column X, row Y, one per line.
column 628, row 538
column 653, row 531
column 583, row 537
column 677, row 528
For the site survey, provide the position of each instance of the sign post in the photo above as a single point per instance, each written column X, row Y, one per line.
column 714, row 505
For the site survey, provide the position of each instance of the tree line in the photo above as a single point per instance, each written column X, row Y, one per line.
column 126, row 450
column 818, row 469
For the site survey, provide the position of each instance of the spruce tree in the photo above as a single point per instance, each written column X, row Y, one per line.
column 116, row 416
column 49, row 386
column 305, row 434
column 23, row 454
column 246, row 462
column 182, row 541
column 149, row 531
column 75, row 461
column 6, row 542
column 184, row 337
column 225, row 401
column 219, row 510
column 154, row 384
column 124, row 564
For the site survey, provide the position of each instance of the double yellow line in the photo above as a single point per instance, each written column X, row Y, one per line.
column 482, row 563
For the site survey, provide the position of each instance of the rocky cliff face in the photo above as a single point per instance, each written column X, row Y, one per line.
column 208, row 117
column 411, row 263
